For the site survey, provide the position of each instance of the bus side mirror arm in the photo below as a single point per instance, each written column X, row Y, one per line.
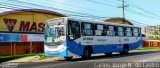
column 71, row 37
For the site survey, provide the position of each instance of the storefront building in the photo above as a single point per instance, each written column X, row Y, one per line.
column 21, row 31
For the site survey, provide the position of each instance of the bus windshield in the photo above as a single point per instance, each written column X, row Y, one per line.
column 55, row 33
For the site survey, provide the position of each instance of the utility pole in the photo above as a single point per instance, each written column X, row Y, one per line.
column 123, row 13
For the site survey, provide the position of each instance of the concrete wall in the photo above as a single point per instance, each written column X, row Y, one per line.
column 149, row 43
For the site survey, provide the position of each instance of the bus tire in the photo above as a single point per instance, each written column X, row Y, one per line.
column 68, row 58
column 87, row 53
column 108, row 54
column 125, row 50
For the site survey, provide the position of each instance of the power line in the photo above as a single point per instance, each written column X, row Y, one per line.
column 141, row 14
column 66, row 11
column 111, row 2
column 80, row 15
column 56, row 8
column 137, row 7
column 13, row 5
column 139, row 23
column 82, row 7
column 101, row 3
column 76, row 13
column 59, row 9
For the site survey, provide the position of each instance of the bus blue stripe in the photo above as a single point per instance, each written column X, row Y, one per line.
column 77, row 49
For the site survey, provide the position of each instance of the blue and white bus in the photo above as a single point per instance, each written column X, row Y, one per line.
column 67, row 37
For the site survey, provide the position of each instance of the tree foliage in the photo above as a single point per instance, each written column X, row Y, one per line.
column 156, row 34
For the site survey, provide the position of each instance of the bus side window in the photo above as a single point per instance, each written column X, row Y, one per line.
column 111, row 31
column 100, row 30
column 120, row 31
column 128, row 31
column 135, row 32
column 87, row 29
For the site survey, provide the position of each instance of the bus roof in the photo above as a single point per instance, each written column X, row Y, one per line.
column 99, row 22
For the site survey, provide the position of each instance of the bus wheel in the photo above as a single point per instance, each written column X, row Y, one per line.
column 125, row 50
column 86, row 53
column 108, row 54
column 68, row 58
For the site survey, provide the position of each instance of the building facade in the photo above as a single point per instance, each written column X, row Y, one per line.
column 118, row 20
column 21, row 31
column 151, row 31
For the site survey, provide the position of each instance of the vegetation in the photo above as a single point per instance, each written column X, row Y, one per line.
column 149, row 48
column 7, row 58
column 40, row 56
column 157, row 38
column 156, row 34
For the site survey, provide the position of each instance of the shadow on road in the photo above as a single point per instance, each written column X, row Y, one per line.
column 112, row 56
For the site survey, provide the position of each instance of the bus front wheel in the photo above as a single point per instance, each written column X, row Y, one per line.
column 86, row 53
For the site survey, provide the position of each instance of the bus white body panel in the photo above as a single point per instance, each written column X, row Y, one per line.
column 75, row 35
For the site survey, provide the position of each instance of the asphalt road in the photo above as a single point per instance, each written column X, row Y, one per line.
column 100, row 61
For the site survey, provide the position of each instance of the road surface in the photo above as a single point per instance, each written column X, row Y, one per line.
column 97, row 61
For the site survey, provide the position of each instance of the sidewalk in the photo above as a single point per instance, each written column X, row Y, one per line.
column 35, row 59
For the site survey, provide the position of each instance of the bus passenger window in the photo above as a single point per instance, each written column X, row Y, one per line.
column 128, row 32
column 87, row 29
column 101, row 30
column 120, row 31
column 135, row 32
column 111, row 31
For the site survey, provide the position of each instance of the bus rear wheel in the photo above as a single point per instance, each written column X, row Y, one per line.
column 86, row 53
column 125, row 50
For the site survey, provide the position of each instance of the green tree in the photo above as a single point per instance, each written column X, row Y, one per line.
column 156, row 34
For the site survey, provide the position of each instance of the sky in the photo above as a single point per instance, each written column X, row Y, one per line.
column 139, row 12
